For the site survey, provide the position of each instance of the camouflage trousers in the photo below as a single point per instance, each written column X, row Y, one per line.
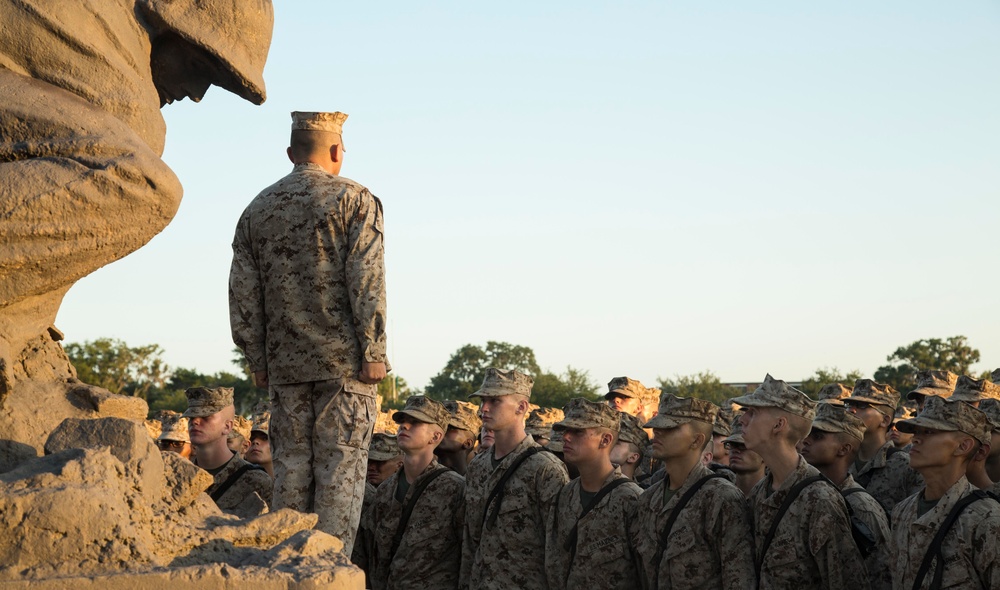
column 319, row 437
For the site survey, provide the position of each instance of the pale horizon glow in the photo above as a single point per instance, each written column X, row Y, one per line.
column 642, row 188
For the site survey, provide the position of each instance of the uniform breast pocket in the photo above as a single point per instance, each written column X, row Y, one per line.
column 688, row 558
column 957, row 573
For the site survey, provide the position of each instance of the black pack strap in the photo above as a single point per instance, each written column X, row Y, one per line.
column 789, row 499
column 848, row 492
column 934, row 550
column 669, row 525
column 570, row 544
column 404, row 518
column 232, row 479
column 490, row 516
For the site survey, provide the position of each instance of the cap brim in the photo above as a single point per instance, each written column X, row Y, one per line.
column 664, row 421
column 753, row 402
column 736, row 438
column 833, row 401
column 826, row 426
column 928, row 391
column 377, row 456
column 868, row 400
column 415, row 414
column 911, row 425
column 200, row 412
column 574, row 423
column 615, row 392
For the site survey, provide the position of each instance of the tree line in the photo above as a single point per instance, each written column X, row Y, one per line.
column 140, row 371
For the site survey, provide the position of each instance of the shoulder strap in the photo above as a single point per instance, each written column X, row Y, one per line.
column 404, row 518
column 669, row 525
column 934, row 549
column 850, row 491
column 789, row 499
column 490, row 516
column 570, row 544
column 232, row 479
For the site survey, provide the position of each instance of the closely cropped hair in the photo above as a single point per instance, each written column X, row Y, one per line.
column 798, row 427
column 306, row 142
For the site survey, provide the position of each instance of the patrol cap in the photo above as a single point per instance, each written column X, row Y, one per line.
column 775, row 393
column 630, row 430
column 737, row 435
column 236, row 32
column 936, row 383
column 498, row 383
column 833, row 393
column 464, row 416
column 836, row 419
column 540, row 421
column 906, row 411
column 241, row 427
column 675, row 411
column 991, row 407
column 872, row 392
column 383, row 447
column 261, row 419
column 205, row 401
column 316, row 121
column 625, row 387
column 555, row 441
column 948, row 415
column 971, row 390
column 723, row 421
column 424, row 409
column 581, row 414
column 175, row 429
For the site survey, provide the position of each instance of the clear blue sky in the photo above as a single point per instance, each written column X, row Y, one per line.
column 634, row 188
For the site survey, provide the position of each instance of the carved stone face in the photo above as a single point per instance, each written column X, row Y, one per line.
column 182, row 70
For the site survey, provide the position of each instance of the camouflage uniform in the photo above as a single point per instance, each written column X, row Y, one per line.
column 430, row 550
column 710, row 543
column 510, row 553
column 307, row 305
column 603, row 556
column 888, row 477
column 249, row 496
column 363, row 542
column 812, row 547
column 867, row 509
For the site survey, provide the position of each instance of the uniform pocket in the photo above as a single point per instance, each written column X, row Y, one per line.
column 355, row 418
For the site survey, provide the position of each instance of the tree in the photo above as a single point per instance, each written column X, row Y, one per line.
column 825, row 376
column 705, row 385
column 953, row 354
column 117, row 367
column 393, row 390
column 553, row 391
column 464, row 372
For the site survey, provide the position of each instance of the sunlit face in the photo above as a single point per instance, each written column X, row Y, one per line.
column 182, row 448
column 379, row 471
column 501, row 412
column 743, row 460
column 414, row 435
column 820, row 448
column 934, row 448
column 719, row 452
column 758, row 424
column 873, row 415
column 624, row 453
column 260, row 448
column 208, row 429
column 669, row 443
column 623, row 403
column 456, row 439
column 582, row 444
column 486, row 438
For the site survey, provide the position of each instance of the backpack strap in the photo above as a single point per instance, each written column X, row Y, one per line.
column 846, row 493
column 934, row 549
column 490, row 516
column 684, row 500
column 232, row 479
column 785, row 505
column 570, row 544
column 408, row 509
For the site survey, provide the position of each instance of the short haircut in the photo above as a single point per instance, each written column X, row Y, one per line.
column 699, row 427
column 798, row 426
column 306, row 142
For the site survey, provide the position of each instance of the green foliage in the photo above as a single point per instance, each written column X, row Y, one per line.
column 825, row 376
column 554, row 391
column 117, row 367
column 393, row 398
column 704, row 385
column 464, row 372
column 953, row 354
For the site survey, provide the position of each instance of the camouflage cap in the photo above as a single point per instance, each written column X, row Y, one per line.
column 540, row 421
column 872, row 392
column 674, row 411
column 834, row 418
column 948, row 415
column 626, row 387
column 241, row 427
column 205, row 401
column 383, row 447
column 971, row 390
column 464, row 416
column 737, row 435
column 775, row 393
column 723, row 423
column 906, row 411
column 555, row 442
column 498, row 382
column 833, row 393
column 995, row 376
column 261, row 420
column 936, row 383
column 176, row 429
column 424, row 409
column 312, row 121
column 581, row 414
column 991, row 407
column 630, row 430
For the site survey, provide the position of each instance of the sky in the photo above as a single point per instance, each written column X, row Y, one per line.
column 647, row 189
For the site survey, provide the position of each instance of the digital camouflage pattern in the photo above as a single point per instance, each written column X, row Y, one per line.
column 364, row 543
column 322, row 474
column 812, row 547
column 239, row 498
column 307, row 282
column 972, row 390
column 710, row 544
column 867, row 509
column 888, row 477
column 775, row 393
column 431, row 548
column 510, row 553
column 602, row 557
column 970, row 549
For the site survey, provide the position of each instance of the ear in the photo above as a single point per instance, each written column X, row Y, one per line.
column 335, row 153
column 845, row 449
column 606, row 439
column 288, row 151
column 468, row 444
column 965, row 447
column 780, row 425
column 632, row 458
column 699, row 441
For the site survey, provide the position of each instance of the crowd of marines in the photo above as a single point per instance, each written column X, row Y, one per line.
column 775, row 490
